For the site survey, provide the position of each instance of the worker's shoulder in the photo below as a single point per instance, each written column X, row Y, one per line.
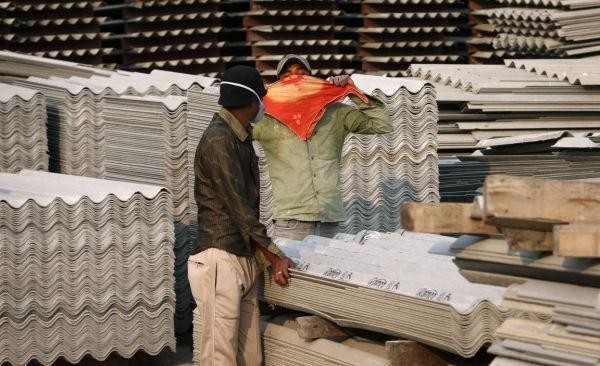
column 217, row 132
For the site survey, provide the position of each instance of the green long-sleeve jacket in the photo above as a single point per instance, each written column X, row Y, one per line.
column 306, row 174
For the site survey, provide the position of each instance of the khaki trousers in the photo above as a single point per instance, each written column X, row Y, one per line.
column 224, row 287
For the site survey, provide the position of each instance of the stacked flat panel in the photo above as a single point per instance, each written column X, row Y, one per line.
column 477, row 255
column 542, row 30
column 398, row 33
column 571, row 338
column 87, row 268
column 193, row 36
column 461, row 178
column 379, row 172
column 23, row 140
column 307, row 28
column 57, row 29
column 479, row 102
column 393, row 284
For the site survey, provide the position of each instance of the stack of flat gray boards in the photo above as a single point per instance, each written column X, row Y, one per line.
column 479, row 102
column 379, row 172
column 461, row 178
column 23, row 140
column 87, row 268
column 487, row 255
column 573, row 335
column 419, row 295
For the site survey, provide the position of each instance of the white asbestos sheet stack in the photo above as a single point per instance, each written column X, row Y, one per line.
column 266, row 190
column 23, row 140
column 379, row 172
column 87, row 268
column 554, row 30
column 394, row 284
column 573, row 335
column 478, row 102
column 146, row 142
column 75, row 132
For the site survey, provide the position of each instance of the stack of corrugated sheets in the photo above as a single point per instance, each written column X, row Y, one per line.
column 282, row 346
column 308, row 28
column 76, row 134
column 187, row 36
column 87, row 268
column 64, row 30
column 394, row 284
column 572, row 337
column 559, row 29
column 379, row 172
column 479, row 102
column 23, row 140
column 396, row 33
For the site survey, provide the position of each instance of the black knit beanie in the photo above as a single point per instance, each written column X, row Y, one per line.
column 235, row 96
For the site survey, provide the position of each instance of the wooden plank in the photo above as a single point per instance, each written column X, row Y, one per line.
column 577, row 240
column 411, row 353
column 537, row 203
column 442, row 218
column 532, row 240
column 312, row 327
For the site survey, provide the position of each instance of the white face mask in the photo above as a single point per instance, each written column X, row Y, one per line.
column 261, row 108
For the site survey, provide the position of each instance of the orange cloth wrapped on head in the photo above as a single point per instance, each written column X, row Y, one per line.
column 299, row 101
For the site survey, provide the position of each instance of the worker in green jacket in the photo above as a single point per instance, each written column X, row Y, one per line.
column 306, row 174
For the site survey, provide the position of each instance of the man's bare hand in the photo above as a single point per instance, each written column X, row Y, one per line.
column 279, row 268
column 340, row 80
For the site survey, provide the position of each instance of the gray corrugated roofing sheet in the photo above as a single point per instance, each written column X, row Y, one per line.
column 405, row 30
column 296, row 28
column 409, row 44
column 177, row 17
column 412, row 58
column 305, row 42
column 176, row 32
column 57, row 6
column 294, row 13
column 584, row 71
column 415, row 15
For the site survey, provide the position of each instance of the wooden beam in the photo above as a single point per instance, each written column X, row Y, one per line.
column 533, row 240
column 312, row 327
column 577, row 240
column 442, row 218
column 411, row 353
column 537, row 203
